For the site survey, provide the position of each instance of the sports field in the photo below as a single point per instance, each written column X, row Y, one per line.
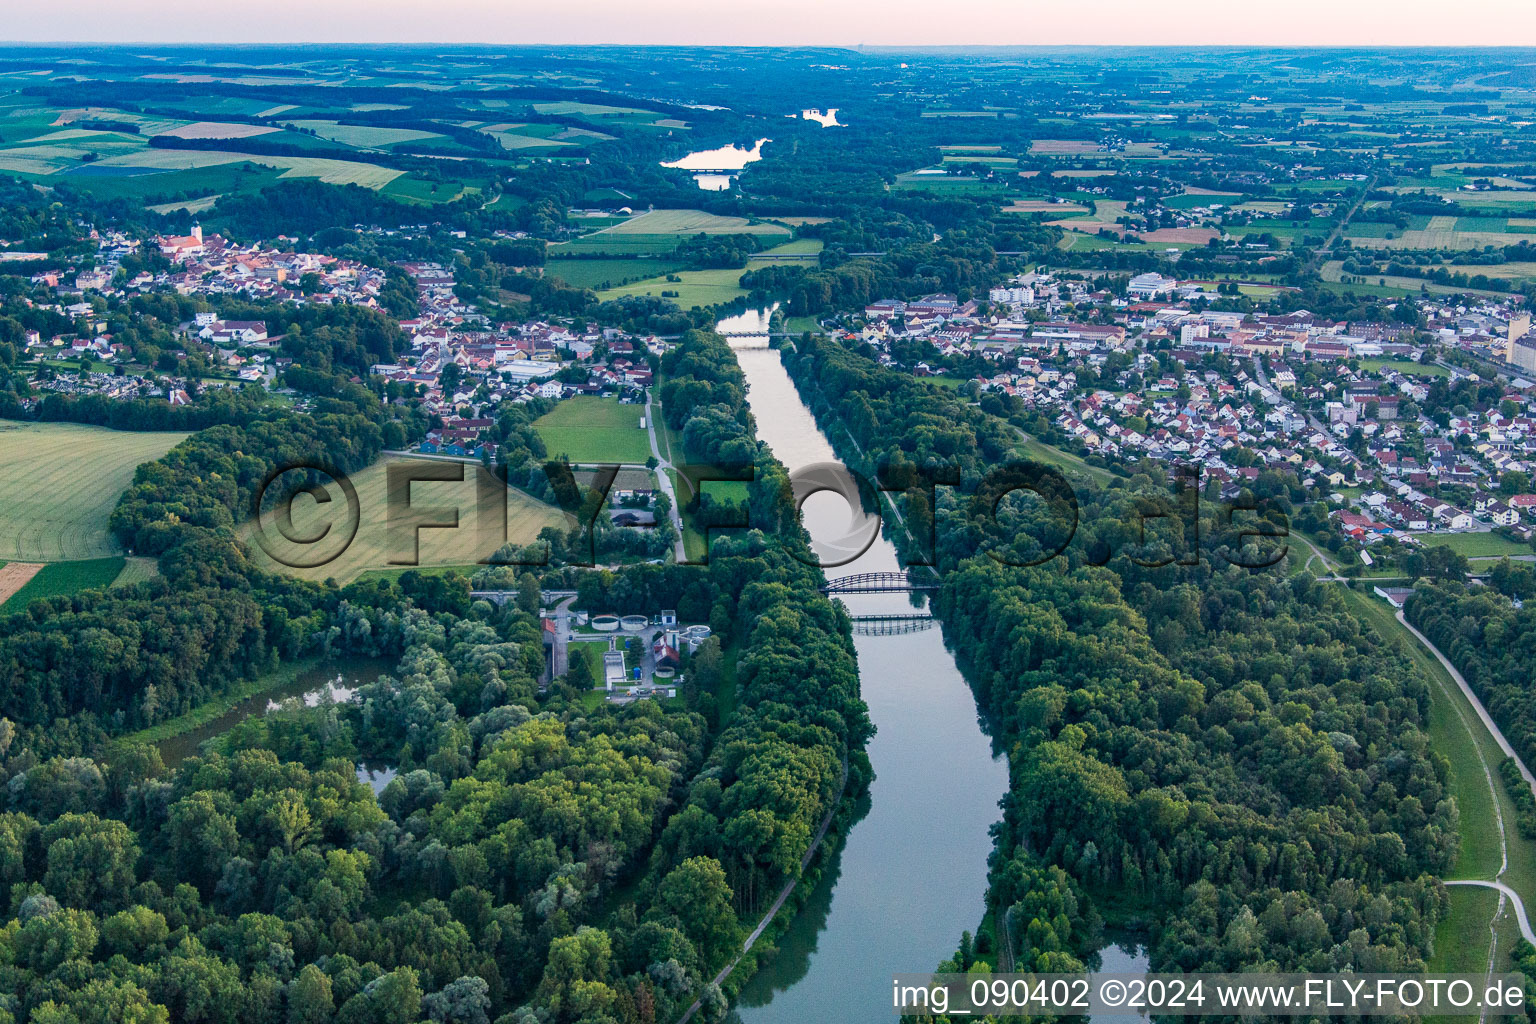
column 1405, row 366
column 59, row 483
column 588, row 429
column 1475, row 545
column 373, row 547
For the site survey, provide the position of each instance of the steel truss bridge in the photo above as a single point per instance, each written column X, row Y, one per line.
column 892, row 625
column 876, row 583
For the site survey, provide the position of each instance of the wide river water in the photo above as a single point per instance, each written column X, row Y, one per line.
column 911, row 874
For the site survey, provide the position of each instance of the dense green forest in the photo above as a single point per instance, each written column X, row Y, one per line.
column 1216, row 755
column 533, row 860
column 1493, row 644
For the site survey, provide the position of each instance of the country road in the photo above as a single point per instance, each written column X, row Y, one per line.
column 1504, row 890
column 1327, row 246
column 1477, row 705
column 664, row 479
column 1511, row 895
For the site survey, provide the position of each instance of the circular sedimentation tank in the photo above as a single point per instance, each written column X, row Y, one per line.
column 634, row 623
column 605, row 623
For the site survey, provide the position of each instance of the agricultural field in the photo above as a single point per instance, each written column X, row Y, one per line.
column 524, row 136
column 933, row 179
column 373, row 547
column 137, row 570
column 58, row 151
column 1192, row 198
column 111, row 152
column 807, row 248
column 1446, row 232
column 179, row 186
column 1395, row 286
column 1105, row 214
column 418, row 190
column 112, row 160
column 1253, row 289
column 16, row 575
column 1043, row 206
column 1093, row 243
column 217, row 130
column 59, row 483
column 595, row 430
column 1287, row 231
column 1179, row 236
column 59, row 578
column 1065, row 147
column 1074, row 172
column 691, row 222
column 658, row 232
column 189, row 205
column 608, row 243
column 364, row 136
column 988, row 160
column 1514, row 270
column 608, row 273
column 709, row 287
column 1090, row 147
column 1509, row 201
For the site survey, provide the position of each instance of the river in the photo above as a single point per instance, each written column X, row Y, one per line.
column 911, row 874
column 827, row 120
column 339, row 678
column 717, row 168
column 747, row 329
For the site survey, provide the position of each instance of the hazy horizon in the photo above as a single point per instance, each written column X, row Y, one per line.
column 899, row 23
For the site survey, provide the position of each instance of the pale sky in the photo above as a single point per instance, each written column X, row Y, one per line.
column 782, row 22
